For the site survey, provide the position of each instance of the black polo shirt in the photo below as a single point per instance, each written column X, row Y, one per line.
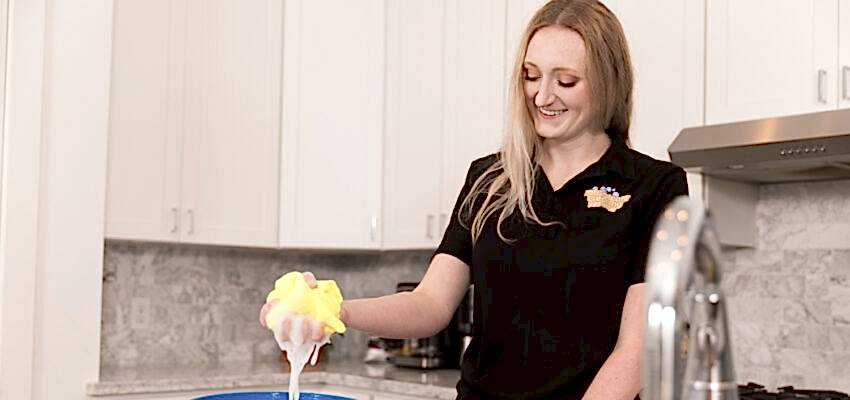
column 548, row 306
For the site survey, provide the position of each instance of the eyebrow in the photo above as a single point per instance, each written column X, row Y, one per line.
column 558, row 69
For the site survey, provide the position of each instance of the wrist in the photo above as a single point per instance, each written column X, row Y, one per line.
column 343, row 312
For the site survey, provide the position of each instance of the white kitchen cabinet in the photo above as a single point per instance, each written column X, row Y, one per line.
column 769, row 58
column 382, row 107
column 232, row 113
column 518, row 16
column 666, row 45
column 664, row 40
column 194, row 124
column 475, row 91
column 445, row 90
column 414, row 123
column 844, row 54
column 333, row 94
column 146, row 124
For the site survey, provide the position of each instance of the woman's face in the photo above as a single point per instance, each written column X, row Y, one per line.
column 556, row 91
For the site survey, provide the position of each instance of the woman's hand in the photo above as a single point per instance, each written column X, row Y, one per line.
column 309, row 327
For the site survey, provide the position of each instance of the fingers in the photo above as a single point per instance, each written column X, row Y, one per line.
column 285, row 328
column 306, row 327
column 298, row 330
column 317, row 332
column 265, row 310
column 311, row 279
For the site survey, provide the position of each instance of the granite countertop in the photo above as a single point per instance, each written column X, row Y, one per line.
column 383, row 377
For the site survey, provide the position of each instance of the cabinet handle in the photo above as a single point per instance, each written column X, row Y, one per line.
column 191, row 221
column 443, row 221
column 821, row 86
column 429, row 220
column 175, row 214
column 373, row 227
column 845, row 91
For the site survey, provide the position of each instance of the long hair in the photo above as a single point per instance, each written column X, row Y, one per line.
column 508, row 184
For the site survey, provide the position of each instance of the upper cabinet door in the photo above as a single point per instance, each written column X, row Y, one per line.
column 844, row 54
column 665, row 42
column 333, row 116
column 414, row 123
column 475, row 82
column 146, row 120
column 519, row 13
column 763, row 64
column 231, row 136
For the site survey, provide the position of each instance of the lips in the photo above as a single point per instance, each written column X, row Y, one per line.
column 549, row 114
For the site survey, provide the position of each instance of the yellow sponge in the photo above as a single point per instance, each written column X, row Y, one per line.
column 295, row 296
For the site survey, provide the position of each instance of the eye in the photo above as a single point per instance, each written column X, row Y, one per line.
column 567, row 84
column 530, row 78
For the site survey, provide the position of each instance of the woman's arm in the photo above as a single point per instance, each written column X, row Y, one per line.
column 420, row 313
column 620, row 376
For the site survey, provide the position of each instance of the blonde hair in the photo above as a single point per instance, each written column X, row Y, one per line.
column 508, row 184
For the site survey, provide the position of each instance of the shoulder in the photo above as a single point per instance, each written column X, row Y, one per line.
column 651, row 169
column 655, row 182
column 486, row 161
column 479, row 165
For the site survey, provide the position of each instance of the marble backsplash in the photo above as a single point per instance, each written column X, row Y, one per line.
column 171, row 304
column 789, row 298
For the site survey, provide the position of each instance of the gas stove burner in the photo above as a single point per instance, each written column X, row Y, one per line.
column 754, row 391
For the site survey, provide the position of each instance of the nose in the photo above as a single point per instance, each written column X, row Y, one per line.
column 545, row 95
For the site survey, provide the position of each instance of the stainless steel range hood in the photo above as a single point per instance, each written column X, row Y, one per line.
column 736, row 158
column 784, row 149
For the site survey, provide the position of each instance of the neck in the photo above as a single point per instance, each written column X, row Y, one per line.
column 576, row 154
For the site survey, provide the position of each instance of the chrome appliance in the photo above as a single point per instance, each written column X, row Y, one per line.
column 683, row 293
column 793, row 148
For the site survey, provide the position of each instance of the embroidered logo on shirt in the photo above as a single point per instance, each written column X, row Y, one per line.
column 605, row 197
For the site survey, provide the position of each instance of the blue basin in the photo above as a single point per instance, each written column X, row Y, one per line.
column 269, row 396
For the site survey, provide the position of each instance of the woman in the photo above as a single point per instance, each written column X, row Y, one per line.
column 553, row 230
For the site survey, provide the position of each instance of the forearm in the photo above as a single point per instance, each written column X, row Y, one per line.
column 396, row 316
column 618, row 379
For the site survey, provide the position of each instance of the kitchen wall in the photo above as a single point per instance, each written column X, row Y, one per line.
column 185, row 304
column 790, row 296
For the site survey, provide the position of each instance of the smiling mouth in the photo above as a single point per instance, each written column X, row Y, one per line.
column 550, row 113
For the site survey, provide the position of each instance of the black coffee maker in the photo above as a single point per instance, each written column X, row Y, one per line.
column 442, row 350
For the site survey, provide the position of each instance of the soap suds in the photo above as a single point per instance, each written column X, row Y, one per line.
column 298, row 349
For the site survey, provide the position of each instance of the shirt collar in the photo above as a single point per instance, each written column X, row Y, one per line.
column 618, row 159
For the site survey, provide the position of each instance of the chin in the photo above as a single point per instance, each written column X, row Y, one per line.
column 547, row 135
column 549, row 132
column 559, row 136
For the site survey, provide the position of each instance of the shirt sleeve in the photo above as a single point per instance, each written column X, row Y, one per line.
column 457, row 240
column 673, row 184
